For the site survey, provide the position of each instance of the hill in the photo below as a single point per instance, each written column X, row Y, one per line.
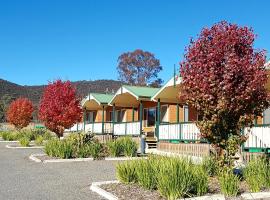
column 34, row 93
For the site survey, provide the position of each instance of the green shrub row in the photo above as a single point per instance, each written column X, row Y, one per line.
column 74, row 146
column 122, row 146
column 172, row 177
column 31, row 134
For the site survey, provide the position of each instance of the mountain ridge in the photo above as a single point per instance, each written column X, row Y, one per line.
column 34, row 92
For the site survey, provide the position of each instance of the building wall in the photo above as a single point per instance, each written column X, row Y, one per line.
column 173, row 113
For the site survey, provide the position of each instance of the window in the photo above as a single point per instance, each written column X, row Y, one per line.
column 186, row 112
column 111, row 116
column 164, row 113
column 120, row 116
column 149, row 116
column 266, row 116
column 90, row 117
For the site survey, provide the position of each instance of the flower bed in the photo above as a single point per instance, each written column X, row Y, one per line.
column 173, row 178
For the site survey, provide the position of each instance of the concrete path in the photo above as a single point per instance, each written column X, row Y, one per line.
column 23, row 179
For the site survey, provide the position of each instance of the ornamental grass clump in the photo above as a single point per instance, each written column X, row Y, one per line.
column 175, row 178
column 257, row 173
column 57, row 148
column 95, row 150
column 200, row 180
column 126, row 172
column 9, row 135
column 210, row 165
column 147, row 171
column 129, row 146
column 122, row 146
column 115, row 148
column 24, row 141
column 229, row 183
column 39, row 140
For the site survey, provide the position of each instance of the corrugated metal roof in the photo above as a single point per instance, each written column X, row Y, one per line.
column 142, row 91
column 102, row 98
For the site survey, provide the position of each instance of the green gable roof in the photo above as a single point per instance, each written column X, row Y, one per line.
column 102, row 98
column 142, row 91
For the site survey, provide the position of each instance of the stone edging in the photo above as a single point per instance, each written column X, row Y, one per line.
column 123, row 158
column 6, row 141
column 248, row 196
column 34, row 158
column 31, row 147
column 107, row 195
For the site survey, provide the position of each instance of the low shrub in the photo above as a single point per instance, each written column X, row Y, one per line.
column 95, row 150
column 200, row 180
column 29, row 133
column 229, row 183
column 129, row 146
column 257, row 173
column 175, row 178
column 65, row 150
column 147, row 171
column 11, row 136
column 5, row 135
column 122, row 146
column 39, row 140
column 126, row 172
column 210, row 165
column 59, row 148
column 115, row 148
column 51, row 147
column 24, row 141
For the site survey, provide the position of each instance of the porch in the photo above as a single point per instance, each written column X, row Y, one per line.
column 258, row 136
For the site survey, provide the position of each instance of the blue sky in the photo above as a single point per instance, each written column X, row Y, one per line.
column 81, row 40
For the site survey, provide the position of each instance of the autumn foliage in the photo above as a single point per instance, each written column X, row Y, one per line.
column 59, row 107
column 224, row 79
column 19, row 112
column 139, row 68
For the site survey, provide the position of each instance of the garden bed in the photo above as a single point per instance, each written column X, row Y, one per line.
column 44, row 158
column 134, row 192
column 173, row 178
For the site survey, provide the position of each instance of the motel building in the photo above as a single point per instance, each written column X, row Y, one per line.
column 158, row 114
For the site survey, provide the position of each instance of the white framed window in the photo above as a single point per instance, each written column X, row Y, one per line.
column 186, row 113
column 164, row 114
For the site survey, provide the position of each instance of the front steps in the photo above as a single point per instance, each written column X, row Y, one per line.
column 151, row 142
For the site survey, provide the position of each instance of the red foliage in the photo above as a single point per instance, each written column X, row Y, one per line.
column 224, row 79
column 60, row 108
column 19, row 112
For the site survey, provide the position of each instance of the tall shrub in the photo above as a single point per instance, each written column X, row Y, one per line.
column 19, row 112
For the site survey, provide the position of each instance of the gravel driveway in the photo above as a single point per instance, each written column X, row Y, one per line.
column 22, row 179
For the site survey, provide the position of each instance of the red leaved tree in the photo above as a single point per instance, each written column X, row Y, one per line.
column 224, row 79
column 59, row 107
column 139, row 68
column 19, row 112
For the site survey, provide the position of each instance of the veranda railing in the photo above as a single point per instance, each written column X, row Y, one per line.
column 183, row 131
column 126, row 128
